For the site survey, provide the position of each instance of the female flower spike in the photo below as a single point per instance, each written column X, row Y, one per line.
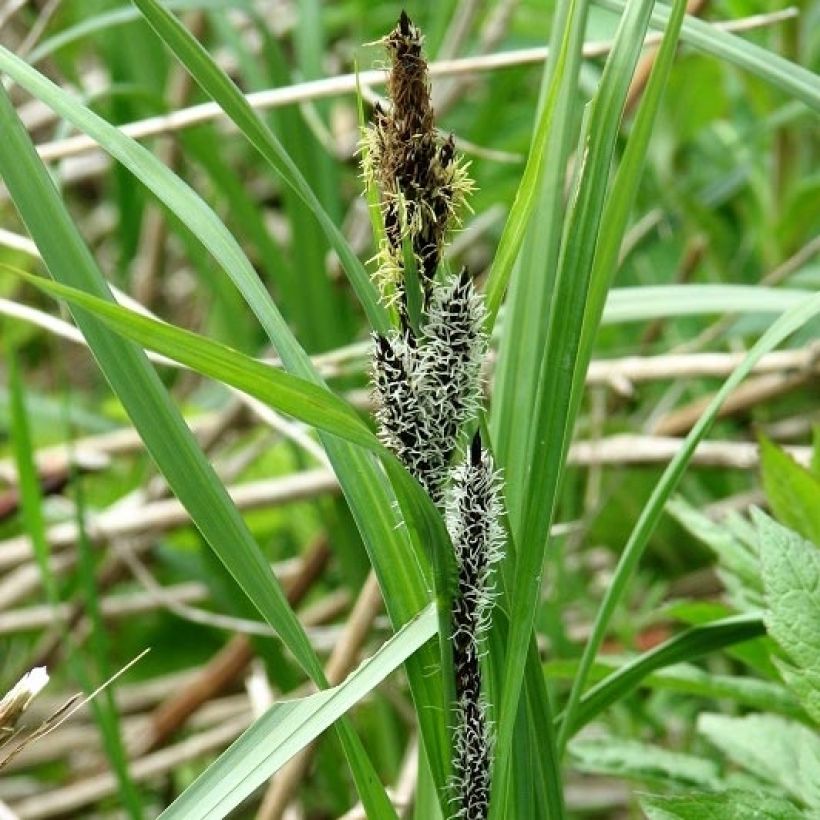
column 427, row 388
column 473, row 516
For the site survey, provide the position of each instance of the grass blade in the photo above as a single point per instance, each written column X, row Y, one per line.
column 780, row 330
column 132, row 378
column 288, row 727
column 27, row 479
column 532, row 271
column 620, row 203
column 158, row 421
column 794, row 80
column 297, row 397
column 689, row 645
column 221, row 89
column 553, row 416
column 103, row 706
column 650, row 302
column 524, row 330
column 562, row 83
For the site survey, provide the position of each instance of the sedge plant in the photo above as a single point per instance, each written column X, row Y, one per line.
column 454, row 506
column 426, row 377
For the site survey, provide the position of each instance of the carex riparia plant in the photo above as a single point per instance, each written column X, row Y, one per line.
column 426, row 375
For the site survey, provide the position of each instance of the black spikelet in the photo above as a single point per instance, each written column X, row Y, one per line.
column 473, row 515
column 427, row 388
column 453, row 346
column 399, row 408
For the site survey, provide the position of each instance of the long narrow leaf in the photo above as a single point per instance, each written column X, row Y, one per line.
column 651, row 302
column 285, row 729
column 524, row 330
column 689, row 645
column 222, row 90
column 554, row 422
column 620, row 203
column 561, row 83
column 535, row 219
column 28, row 481
column 297, row 397
column 796, row 81
column 780, row 330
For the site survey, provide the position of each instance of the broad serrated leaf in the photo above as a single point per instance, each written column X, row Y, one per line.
column 777, row 751
column 792, row 491
column 728, row 805
column 737, row 564
column 791, row 574
column 644, row 762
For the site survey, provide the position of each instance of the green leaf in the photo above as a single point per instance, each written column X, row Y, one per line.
column 534, row 221
column 553, row 418
column 663, row 301
column 528, row 253
column 31, row 496
column 728, row 805
column 794, row 80
column 289, row 726
column 159, row 423
column 687, row 679
column 96, row 657
column 646, row 763
column 790, row 568
column 781, row 329
column 110, row 19
column 551, row 127
column 222, row 90
column 792, row 491
column 738, row 566
column 620, row 204
column 297, row 397
column 777, row 751
column 691, row 644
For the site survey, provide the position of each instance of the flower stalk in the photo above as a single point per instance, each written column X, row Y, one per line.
column 426, row 377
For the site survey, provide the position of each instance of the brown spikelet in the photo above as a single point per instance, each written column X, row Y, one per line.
column 422, row 181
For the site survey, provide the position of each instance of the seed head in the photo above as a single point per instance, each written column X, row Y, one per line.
column 422, row 181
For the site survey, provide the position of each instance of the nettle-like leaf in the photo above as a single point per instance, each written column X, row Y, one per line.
column 779, row 752
column 728, row 805
column 738, row 565
column 793, row 491
column 791, row 574
column 644, row 762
